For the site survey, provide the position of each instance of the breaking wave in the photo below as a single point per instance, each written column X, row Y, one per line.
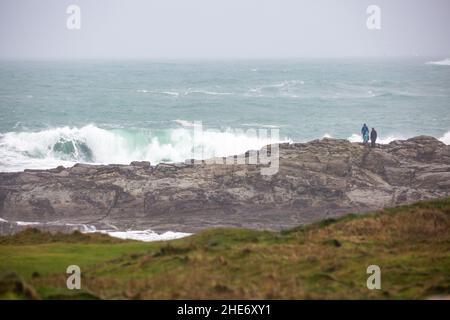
column 91, row 144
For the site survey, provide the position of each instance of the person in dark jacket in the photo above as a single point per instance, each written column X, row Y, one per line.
column 373, row 137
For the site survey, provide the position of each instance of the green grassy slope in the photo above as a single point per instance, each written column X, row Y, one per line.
column 327, row 260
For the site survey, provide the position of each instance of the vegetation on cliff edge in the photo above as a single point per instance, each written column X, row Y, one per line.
column 325, row 260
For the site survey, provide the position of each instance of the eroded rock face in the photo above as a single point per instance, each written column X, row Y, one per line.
column 315, row 180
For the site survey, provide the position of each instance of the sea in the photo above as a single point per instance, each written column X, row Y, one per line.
column 91, row 111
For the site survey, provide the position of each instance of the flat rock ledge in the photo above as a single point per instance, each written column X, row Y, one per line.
column 316, row 180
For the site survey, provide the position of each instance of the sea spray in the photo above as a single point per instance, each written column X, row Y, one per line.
column 91, row 144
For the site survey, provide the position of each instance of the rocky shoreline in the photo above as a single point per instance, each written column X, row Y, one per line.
column 316, row 180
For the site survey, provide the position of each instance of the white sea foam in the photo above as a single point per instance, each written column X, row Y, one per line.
column 147, row 235
column 144, row 235
column 445, row 138
column 185, row 123
column 26, row 223
column 85, row 228
column 445, row 62
column 259, row 125
column 206, row 92
column 171, row 93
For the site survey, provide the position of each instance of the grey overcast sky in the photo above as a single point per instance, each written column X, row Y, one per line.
column 188, row 29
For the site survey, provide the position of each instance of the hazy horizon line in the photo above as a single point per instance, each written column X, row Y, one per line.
column 271, row 58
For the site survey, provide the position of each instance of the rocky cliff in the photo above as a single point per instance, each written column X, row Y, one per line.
column 315, row 180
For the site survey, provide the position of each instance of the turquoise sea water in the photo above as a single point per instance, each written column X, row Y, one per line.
column 60, row 112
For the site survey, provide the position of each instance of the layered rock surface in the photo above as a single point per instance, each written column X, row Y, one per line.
column 316, row 180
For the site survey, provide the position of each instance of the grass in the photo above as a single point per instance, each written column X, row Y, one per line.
column 325, row 260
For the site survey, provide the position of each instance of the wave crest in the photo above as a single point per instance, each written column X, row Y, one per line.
column 90, row 144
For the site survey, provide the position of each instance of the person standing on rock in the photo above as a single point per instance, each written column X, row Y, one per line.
column 373, row 137
column 365, row 133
